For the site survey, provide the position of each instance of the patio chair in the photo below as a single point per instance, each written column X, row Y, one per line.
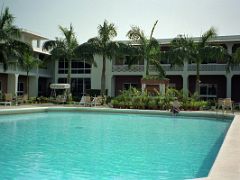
column 97, row 101
column 85, row 101
column 23, row 99
column 228, row 104
column 61, row 99
column 224, row 104
column 7, row 99
column 220, row 104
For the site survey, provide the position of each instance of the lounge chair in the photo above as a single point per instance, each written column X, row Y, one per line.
column 228, row 104
column 23, row 99
column 224, row 104
column 61, row 99
column 7, row 99
column 85, row 101
column 97, row 101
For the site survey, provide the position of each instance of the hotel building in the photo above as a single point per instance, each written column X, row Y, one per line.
column 216, row 82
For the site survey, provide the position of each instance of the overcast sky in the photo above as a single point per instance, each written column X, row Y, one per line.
column 191, row 17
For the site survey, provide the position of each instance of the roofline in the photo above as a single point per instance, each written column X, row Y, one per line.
column 34, row 34
column 217, row 39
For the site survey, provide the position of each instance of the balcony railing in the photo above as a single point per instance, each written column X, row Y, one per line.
column 140, row 68
column 207, row 67
column 18, row 70
column 166, row 67
column 126, row 68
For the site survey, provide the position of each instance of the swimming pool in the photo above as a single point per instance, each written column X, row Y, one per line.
column 78, row 145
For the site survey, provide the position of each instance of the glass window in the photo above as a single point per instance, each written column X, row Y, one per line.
column 62, row 80
column 81, row 67
column 172, row 85
column 208, row 90
column 127, row 86
column 62, row 67
column 20, row 91
column 79, row 86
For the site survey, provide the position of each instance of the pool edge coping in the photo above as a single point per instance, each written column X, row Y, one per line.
column 231, row 143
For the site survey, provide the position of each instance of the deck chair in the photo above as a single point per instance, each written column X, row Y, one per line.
column 61, row 99
column 228, row 104
column 23, row 99
column 85, row 101
column 7, row 99
column 220, row 104
column 97, row 101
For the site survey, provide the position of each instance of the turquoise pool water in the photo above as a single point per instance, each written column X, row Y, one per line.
column 74, row 145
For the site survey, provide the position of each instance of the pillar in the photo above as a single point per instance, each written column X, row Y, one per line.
column 229, row 48
column 12, row 86
column 229, row 85
column 145, row 67
column 33, row 86
column 185, row 83
column 112, row 93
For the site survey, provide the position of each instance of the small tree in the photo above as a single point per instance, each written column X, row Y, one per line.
column 63, row 49
column 184, row 48
column 102, row 45
column 233, row 60
column 28, row 62
column 10, row 46
column 149, row 49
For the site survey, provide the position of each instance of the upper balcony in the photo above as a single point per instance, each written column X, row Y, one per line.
column 168, row 68
column 15, row 69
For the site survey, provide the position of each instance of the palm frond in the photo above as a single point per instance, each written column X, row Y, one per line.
column 211, row 33
column 136, row 34
column 153, row 28
column 49, row 45
column 107, row 31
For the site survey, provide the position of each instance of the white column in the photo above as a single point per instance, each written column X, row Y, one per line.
column 33, row 86
column 229, row 48
column 12, row 83
column 185, row 83
column 143, row 86
column 162, row 88
column 229, row 85
column 145, row 67
column 113, row 87
column 55, row 80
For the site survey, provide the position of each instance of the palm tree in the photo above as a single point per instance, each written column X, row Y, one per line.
column 63, row 49
column 184, row 48
column 149, row 49
column 10, row 46
column 101, row 45
column 233, row 60
column 28, row 62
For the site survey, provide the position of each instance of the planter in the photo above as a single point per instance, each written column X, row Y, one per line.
column 153, row 85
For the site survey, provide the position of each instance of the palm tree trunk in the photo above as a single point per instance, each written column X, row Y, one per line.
column 197, row 80
column 69, row 78
column 27, row 85
column 103, row 78
column 147, row 67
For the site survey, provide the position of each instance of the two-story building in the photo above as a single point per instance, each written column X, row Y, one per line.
column 14, row 80
column 216, row 82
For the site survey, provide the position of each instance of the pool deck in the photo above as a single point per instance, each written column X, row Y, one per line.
column 227, row 163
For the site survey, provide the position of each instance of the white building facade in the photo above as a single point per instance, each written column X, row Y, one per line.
column 14, row 79
column 216, row 82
